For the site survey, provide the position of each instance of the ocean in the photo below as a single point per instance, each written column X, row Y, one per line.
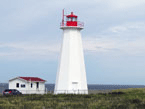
column 50, row 87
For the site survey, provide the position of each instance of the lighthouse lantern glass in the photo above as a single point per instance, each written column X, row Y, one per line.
column 71, row 21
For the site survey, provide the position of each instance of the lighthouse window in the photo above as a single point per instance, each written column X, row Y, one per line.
column 73, row 19
column 69, row 19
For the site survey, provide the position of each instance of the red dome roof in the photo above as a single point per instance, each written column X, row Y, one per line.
column 72, row 15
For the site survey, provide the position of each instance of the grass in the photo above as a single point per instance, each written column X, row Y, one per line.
column 117, row 99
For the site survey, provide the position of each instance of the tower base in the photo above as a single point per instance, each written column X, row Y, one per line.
column 71, row 92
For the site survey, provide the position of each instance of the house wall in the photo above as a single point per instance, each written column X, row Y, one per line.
column 27, row 89
column 34, row 89
column 12, row 85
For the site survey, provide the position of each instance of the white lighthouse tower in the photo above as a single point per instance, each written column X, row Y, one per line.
column 71, row 75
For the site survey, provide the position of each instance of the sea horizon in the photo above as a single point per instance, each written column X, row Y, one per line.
column 50, row 86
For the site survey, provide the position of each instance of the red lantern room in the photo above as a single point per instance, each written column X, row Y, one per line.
column 71, row 21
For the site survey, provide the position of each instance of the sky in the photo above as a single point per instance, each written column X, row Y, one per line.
column 113, row 39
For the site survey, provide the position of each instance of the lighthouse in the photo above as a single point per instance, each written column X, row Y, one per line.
column 71, row 74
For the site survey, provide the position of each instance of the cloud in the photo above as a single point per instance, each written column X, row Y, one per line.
column 125, row 4
column 114, row 46
column 26, row 14
column 128, row 27
column 115, row 36
column 124, row 39
column 29, row 50
column 91, row 45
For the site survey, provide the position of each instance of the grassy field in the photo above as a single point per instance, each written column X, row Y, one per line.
column 117, row 99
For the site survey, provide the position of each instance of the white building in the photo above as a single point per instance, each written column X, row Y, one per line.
column 71, row 75
column 28, row 85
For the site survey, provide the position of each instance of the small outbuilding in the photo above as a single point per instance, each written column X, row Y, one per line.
column 28, row 85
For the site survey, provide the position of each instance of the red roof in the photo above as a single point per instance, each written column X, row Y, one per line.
column 72, row 15
column 32, row 79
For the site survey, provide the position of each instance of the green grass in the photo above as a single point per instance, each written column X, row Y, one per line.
column 117, row 99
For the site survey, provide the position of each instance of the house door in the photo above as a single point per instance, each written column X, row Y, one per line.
column 74, row 86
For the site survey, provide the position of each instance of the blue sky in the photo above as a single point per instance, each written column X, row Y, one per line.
column 113, row 39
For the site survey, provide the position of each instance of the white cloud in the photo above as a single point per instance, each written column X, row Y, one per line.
column 91, row 45
column 29, row 50
column 132, row 26
column 127, row 38
column 97, row 45
column 33, row 10
column 124, row 4
column 115, row 46
column 118, row 29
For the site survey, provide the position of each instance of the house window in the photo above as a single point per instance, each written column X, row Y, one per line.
column 17, row 85
column 37, row 84
column 31, row 85
column 23, row 85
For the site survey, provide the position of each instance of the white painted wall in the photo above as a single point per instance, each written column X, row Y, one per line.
column 27, row 89
column 71, row 75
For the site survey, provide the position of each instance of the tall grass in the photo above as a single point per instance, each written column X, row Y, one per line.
column 117, row 99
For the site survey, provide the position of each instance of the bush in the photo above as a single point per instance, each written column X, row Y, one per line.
column 116, row 93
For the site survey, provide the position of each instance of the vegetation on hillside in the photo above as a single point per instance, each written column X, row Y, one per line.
column 117, row 99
